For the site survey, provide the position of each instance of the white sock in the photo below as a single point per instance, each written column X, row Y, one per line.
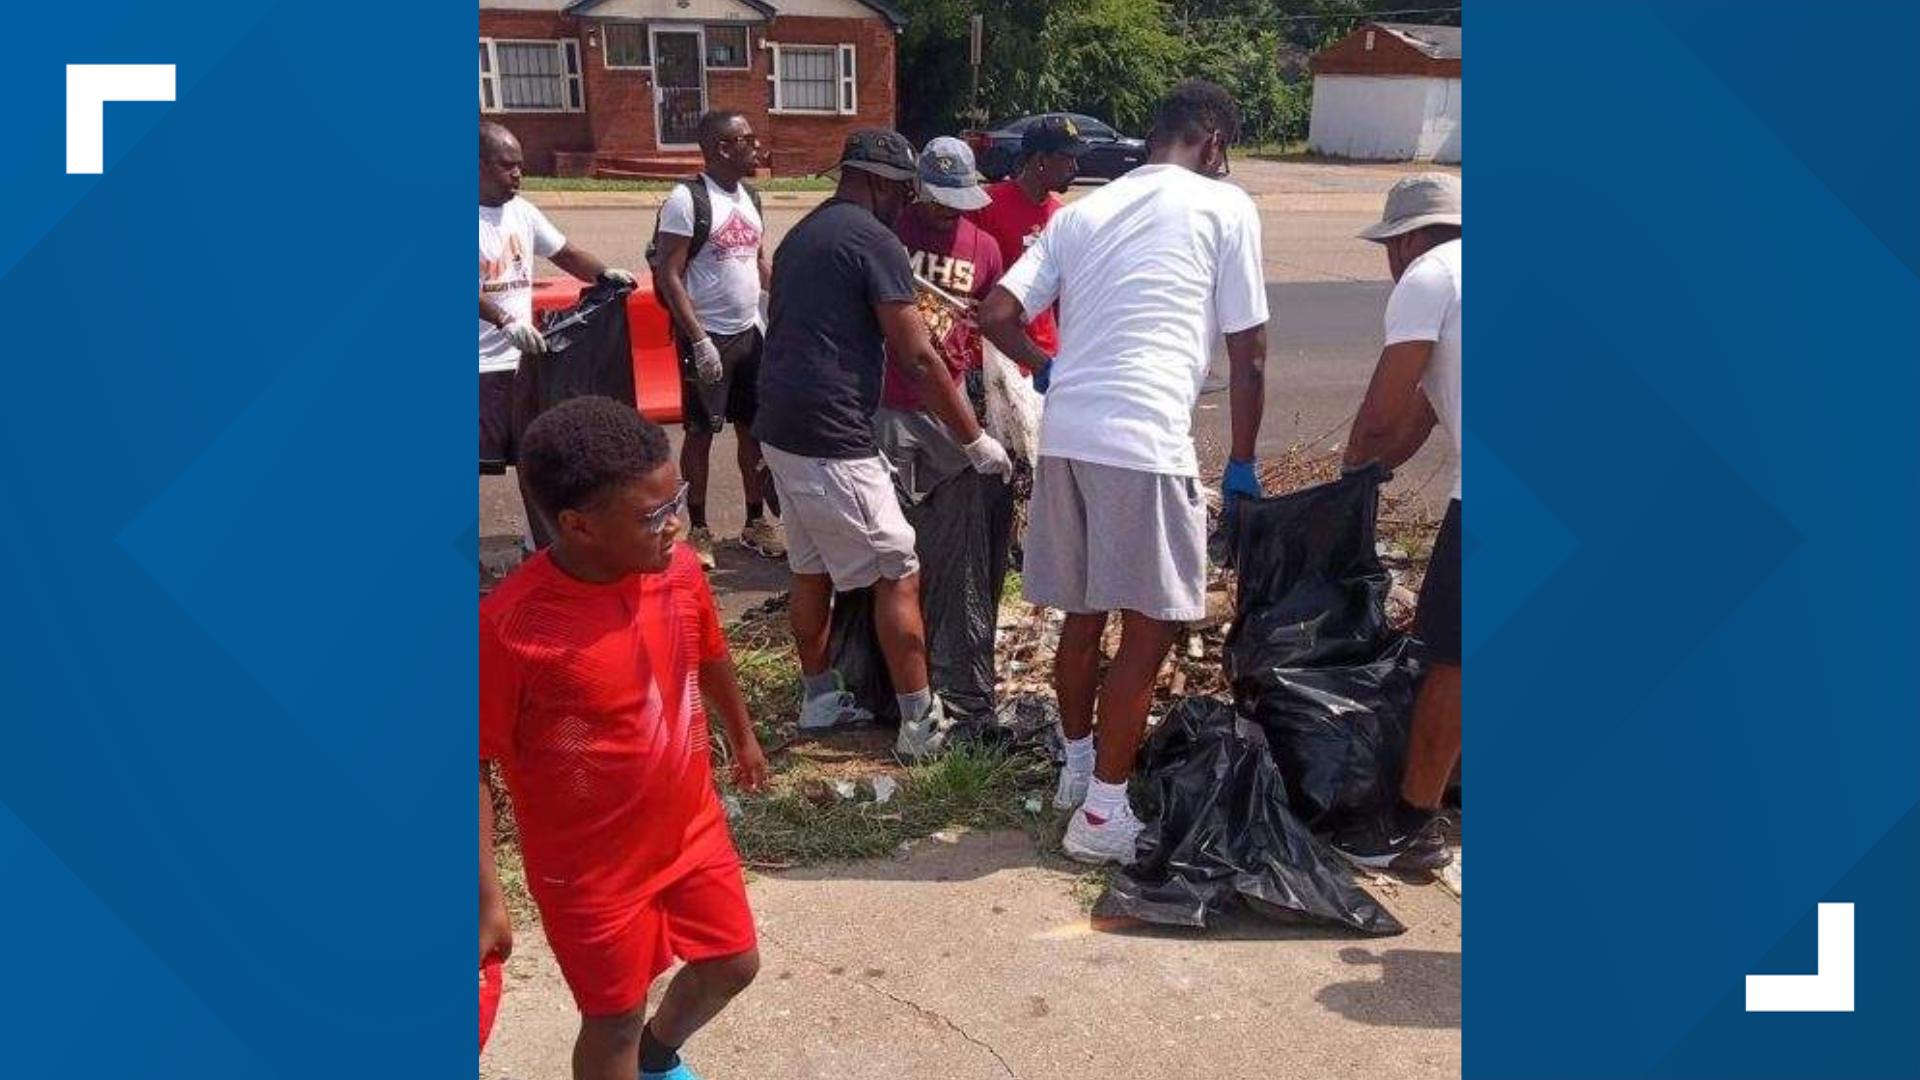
column 1080, row 755
column 915, row 706
column 1106, row 801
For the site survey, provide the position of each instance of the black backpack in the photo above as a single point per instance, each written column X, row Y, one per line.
column 702, row 221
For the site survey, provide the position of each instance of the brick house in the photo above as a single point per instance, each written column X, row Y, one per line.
column 616, row 87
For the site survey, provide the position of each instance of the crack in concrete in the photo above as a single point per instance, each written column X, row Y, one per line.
column 897, row 999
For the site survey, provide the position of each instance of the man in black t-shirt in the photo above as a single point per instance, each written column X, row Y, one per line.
column 842, row 287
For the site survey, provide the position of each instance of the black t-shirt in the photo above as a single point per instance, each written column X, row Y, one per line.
column 820, row 373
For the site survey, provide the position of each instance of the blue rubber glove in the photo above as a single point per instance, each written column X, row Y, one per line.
column 1240, row 480
column 1043, row 378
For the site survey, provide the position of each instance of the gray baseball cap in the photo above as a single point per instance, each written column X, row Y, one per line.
column 1415, row 202
column 946, row 175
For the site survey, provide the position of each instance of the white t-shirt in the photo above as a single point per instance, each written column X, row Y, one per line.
column 511, row 235
column 1149, row 272
column 724, row 277
column 1425, row 306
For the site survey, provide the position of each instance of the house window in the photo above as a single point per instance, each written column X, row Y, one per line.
column 727, row 47
column 625, row 44
column 813, row 78
column 530, row 76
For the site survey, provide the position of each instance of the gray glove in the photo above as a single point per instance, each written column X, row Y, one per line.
column 620, row 277
column 706, row 361
column 987, row 456
column 525, row 337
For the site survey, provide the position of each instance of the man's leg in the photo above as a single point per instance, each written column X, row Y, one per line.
column 694, row 454
column 1127, row 693
column 810, row 611
column 1434, row 745
column 1076, row 672
column 608, row 1047
column 902, row 632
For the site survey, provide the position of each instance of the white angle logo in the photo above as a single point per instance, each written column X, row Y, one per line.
column 89, row 88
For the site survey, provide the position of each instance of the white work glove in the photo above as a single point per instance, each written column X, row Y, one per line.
column 620, row 277
column 706, row 361
column 525, row 337
column 987, row 456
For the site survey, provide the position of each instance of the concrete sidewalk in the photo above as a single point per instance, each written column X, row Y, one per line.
column 972, row 958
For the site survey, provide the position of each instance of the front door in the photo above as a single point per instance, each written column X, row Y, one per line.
column 679, row 86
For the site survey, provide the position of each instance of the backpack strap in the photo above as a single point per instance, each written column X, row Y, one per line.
column 696, row 186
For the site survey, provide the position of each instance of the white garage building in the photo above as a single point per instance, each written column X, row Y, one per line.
column 1388, row 92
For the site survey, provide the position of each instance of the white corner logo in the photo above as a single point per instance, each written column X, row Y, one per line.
column 89, row 88
column 1829, row 988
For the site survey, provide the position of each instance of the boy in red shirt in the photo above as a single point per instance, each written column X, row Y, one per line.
column 1050, row 151
column 594, row 658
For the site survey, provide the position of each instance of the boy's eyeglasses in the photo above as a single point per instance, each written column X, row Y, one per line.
column 657, row 519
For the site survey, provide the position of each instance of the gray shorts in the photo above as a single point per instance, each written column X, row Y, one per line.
column 842, row 518
column 1101, row 538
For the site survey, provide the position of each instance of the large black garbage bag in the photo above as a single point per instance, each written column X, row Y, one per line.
column 1223, row 836
column 590, row 352
column 1311, row 656
column 963, row 530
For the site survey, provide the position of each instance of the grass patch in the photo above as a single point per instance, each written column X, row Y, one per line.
column 589, row 183
column 1276, row 151
column 1010, row 590
column 803, row 820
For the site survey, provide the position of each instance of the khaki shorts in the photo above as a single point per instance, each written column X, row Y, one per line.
column 842, row 518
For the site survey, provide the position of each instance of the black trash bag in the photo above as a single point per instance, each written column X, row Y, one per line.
column 1312, row 658
column 963, row 533
column 589, row 352
column 1223, row 836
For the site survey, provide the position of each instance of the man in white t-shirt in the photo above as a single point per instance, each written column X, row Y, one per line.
column 1415, row 386
column 513, row 232
column 710, row 280
column 1149, row 272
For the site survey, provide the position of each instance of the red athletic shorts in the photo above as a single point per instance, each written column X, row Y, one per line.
column 609, row 961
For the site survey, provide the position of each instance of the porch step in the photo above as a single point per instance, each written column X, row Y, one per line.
column 645, row 166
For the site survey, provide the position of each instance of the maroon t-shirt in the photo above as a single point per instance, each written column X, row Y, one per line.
column 964, row 262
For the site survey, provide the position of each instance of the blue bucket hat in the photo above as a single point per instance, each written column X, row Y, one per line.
column 946, row 175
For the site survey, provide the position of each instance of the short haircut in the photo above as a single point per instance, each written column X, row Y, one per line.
column 714, row 121
column 1194, row 110
column 493, row 135
column 578, row 452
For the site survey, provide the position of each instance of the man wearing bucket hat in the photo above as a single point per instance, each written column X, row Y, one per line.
column 842, row 286
column 1416, row 384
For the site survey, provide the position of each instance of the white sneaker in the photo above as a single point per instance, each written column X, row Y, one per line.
column 832, row 709
column 1072, row 790
column 1109, row 841
column 924, row 737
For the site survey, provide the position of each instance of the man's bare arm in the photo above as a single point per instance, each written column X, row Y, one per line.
column 1004, row 322
column 672, row 285
column 1395, row 417
column 1247, row 382
column 581, row 264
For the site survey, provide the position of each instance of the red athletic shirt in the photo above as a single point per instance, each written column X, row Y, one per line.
column 965, row 263
column 590, row 701
column 1013, row 220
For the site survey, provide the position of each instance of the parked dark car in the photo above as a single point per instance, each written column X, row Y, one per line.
column 997, row 151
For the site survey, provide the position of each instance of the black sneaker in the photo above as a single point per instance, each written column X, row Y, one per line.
column 1383, row 842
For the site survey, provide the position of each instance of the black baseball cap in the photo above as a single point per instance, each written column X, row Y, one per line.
column 886, row 154
column 1054, row 133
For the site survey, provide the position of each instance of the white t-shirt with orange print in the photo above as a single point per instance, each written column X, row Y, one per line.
column 512, row 235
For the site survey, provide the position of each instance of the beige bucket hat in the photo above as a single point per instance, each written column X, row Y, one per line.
column 1415, row 202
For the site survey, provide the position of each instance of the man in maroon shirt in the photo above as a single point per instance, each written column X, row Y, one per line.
column 963, row 521
column 1050, row 151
